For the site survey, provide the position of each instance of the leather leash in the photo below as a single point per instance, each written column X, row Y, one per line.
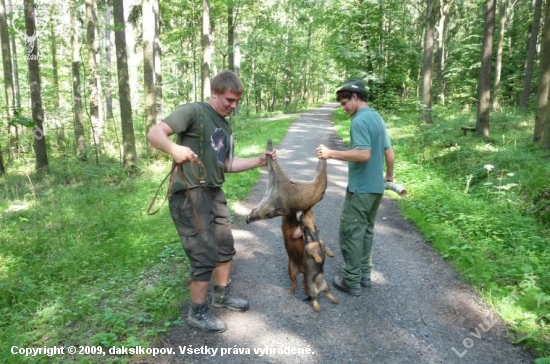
column 174, row 171
column 172, row 174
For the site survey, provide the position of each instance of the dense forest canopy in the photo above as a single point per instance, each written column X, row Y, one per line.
column 289, row 54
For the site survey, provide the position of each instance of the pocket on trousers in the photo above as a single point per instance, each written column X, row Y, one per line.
column 348, row 225
column 183, row 215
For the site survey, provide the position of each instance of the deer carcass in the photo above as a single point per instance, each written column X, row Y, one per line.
column 284, row 196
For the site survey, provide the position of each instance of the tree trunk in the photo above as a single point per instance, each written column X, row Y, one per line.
column 542, row 118
column 233, row 49
column 289, row 85
column 107, row 41
column 158, row 63
column 500, row 45
column 8, row 73
column 77, row 95
column 35, row 90
column 149, row 68
column 484, row 87
column 14, row 130
column 441, row 31
column 531, row 55
column 133, row 58
column 428, row 64
column 231, row 35
column 206, row 50
column 15, row 68
column 439, row 58
column 8, row 79
column 304, row 89
column 56, row 119
column 237, row 57
column 129, row 157
column 96, row 114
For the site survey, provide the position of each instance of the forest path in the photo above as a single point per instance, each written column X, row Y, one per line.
column 418, row 310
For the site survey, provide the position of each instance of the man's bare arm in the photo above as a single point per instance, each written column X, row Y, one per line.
column 352, row 155
column 389, row 155
column 158, row 136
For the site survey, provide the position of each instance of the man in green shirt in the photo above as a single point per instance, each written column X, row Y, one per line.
column 369, row 147
column 197, row 202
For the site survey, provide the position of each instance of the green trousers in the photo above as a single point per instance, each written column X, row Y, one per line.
column 356, row 235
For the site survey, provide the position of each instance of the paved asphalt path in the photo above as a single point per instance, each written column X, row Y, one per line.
column 418, row 310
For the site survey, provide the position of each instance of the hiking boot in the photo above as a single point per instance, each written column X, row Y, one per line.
column 366, row 282
column 201, row 317
column 341, row 285
column 223, row 298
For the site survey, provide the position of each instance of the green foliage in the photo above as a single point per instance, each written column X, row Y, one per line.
column 383, row 50
column 74, row 257
column 483, row 204
column 19, row 119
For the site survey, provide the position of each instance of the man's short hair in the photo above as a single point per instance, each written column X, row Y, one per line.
column 226, row 81
column 346, row 95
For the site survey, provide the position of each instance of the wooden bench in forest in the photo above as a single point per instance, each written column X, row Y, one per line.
column 466, row 129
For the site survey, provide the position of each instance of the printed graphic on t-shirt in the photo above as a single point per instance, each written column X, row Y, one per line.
column 218, row 140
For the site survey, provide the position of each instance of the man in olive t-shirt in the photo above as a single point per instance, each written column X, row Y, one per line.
column 197, row 202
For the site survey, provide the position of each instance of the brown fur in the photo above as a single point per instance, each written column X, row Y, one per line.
column 315, row 251
column 294, row 245
column 284, row 196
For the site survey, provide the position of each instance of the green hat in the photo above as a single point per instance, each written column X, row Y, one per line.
column 356, row 86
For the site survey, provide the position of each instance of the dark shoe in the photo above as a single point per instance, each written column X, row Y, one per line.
column 223, row 298
column 366, row 282
column 340, row 285
column 201, row 317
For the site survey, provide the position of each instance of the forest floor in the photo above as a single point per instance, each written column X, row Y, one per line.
column 417, row 311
